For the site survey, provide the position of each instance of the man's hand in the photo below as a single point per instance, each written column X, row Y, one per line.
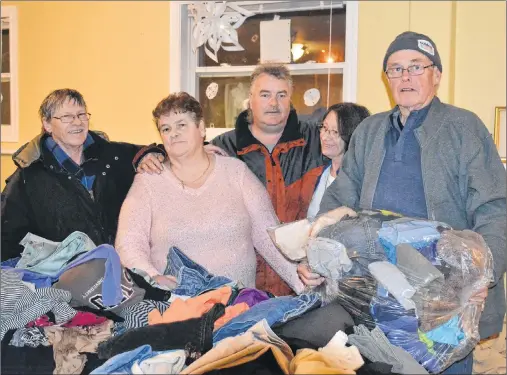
column 167, row 281
column 307, row 277
column 151, row 163
column 330, row 218
column 212, row 149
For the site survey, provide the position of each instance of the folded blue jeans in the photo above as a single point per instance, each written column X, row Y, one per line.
column 193, row 279
column 48, row 257
column 276, row 311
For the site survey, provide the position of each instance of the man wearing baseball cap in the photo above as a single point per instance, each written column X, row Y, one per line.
column 428, row 159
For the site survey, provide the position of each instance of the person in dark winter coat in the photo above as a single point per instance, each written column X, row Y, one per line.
column 68, row 179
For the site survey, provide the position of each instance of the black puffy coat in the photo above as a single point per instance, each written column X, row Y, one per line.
column 42, row 198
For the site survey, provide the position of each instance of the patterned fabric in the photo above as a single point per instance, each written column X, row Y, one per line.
column 20, row 305
column 69, row 165
column 32, row 337
column 137, row 315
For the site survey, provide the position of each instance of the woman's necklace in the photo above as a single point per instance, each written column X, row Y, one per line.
column 197, row 179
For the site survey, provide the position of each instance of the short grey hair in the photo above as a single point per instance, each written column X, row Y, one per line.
column 55, row 100
column 276, row 70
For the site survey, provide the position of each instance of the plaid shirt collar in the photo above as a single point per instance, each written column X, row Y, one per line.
column 70, row 165
column 60, row 155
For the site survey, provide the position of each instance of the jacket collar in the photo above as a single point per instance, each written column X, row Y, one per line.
column 32, row 151
column 434, row 120
column 245, row 138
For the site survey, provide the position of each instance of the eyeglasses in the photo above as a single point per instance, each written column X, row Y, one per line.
column 323, row 129
column 412, row 70
column 67, row 119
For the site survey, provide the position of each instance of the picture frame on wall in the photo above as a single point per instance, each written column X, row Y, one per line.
column 500, row 132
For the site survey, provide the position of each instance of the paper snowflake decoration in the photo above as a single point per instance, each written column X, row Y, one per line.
column 215, row 25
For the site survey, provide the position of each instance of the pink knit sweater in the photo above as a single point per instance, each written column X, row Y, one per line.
column 217, row 225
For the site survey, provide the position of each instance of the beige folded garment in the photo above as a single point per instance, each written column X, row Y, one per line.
column 291, row 238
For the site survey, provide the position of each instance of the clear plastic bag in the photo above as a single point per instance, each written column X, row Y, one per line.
column 419, row 293
column 421, row 299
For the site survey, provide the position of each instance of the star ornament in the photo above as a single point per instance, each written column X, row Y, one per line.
column 215, row 25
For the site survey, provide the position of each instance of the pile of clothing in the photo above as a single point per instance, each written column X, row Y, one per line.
column 406, row 282
column 71, row 308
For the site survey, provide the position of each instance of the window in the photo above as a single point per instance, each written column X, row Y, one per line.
column 9, row 89
column 323, row 45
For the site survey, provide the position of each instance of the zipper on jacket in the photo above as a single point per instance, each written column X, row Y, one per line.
column 273, row 164
column 94, row 204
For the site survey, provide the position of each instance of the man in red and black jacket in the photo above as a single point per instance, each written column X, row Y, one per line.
column 281, row 151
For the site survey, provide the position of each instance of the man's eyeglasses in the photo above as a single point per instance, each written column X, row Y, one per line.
column 332, row 132
column 67, row 119
column 413, row 70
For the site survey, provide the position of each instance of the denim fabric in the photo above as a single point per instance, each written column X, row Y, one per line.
column 48, row 257
column 122, row 363
column 275, row 311
column 359, row 236
column 111, row 285
column 193, row 279
column 250, row 296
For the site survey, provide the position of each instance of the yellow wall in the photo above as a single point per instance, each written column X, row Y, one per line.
column 481, row 58
column 471, row 39
column 117, row 55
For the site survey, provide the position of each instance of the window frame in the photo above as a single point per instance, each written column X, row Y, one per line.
column 184, row 72
column 10, row 133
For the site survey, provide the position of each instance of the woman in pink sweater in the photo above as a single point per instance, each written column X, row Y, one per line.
column 211, row 207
